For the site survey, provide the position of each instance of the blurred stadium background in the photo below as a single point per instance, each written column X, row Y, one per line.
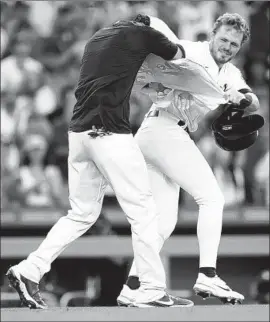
column 41, row 48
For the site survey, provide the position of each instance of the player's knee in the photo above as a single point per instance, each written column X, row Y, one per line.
column 88, row 219
column 213, row 197
column 166, row 233
column 165, row 230
column 87, row 215
column 222, row 199
column 219, row 197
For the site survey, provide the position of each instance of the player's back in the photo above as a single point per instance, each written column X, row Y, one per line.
column 111, row 60
column 114, row 50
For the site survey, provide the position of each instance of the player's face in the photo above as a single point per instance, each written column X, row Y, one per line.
column 225, row 44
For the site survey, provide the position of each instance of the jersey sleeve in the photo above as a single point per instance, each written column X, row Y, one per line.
column 160, row 45
column 189, row 47
column 236, row 80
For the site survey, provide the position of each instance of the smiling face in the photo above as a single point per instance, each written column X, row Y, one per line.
column 225, row 44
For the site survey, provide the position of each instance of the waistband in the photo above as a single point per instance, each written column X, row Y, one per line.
column 158, row 113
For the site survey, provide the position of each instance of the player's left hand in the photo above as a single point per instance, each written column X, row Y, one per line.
column 233, row 96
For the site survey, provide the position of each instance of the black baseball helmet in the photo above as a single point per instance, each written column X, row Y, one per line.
column 233, row 132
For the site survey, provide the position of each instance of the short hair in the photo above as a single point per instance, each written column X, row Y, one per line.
column 143, row 19
column 234, row 20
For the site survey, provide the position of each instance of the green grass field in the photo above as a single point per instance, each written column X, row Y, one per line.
column 196, row 313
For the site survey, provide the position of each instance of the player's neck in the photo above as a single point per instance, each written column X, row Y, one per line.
column 220, row 65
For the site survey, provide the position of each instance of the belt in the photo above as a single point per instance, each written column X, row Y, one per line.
column 155, row 113
column 98, row 132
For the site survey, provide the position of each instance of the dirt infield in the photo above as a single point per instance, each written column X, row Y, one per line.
column 196, row 313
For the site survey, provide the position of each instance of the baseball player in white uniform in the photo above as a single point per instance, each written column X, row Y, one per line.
column 191, row 87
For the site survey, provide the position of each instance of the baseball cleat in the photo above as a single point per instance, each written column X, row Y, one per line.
column 165, row 301
column 215, row 287
column 127, row 296
column 231, row 301
column 28, row 290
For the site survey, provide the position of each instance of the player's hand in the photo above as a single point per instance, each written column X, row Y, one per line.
column 161, row 95
column 156, row 91
column 161, row 90
column 158, row 87
column 233, row 96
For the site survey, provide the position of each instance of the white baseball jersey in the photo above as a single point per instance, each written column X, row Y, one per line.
column 193, row 91
column 172, row 157
column 199, row 85
column 227, row 77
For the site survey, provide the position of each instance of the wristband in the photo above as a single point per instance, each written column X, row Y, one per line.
column 182, row 50
column 245, row 102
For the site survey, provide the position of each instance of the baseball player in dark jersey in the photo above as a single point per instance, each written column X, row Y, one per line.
column 103, row 151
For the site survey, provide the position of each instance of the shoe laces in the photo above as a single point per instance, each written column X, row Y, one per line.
column 221, row 281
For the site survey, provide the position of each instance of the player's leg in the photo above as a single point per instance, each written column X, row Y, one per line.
column 176, row 155
column 122, row 164
column 201, row 184
column 166, row 195
column 86, row 192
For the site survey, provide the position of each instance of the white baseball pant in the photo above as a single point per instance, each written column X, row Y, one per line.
column 174, row 161
column 92, row 164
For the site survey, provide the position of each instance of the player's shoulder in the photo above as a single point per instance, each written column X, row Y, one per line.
column 119, row 27
column 132, row 30
column 234, row 76
column 127, row 25
column 194, row 44
column 195, row 50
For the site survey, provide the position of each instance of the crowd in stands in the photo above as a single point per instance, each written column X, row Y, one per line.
column 41, row 47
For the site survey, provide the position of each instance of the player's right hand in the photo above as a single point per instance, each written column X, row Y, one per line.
column 234, row 96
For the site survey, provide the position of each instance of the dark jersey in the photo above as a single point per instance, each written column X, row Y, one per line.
column 110, row 63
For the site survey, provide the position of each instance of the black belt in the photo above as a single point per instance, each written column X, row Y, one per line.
column 155, row 113
column 98, row 132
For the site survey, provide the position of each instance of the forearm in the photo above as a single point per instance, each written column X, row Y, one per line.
column 254, row 105
column 147, row 90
